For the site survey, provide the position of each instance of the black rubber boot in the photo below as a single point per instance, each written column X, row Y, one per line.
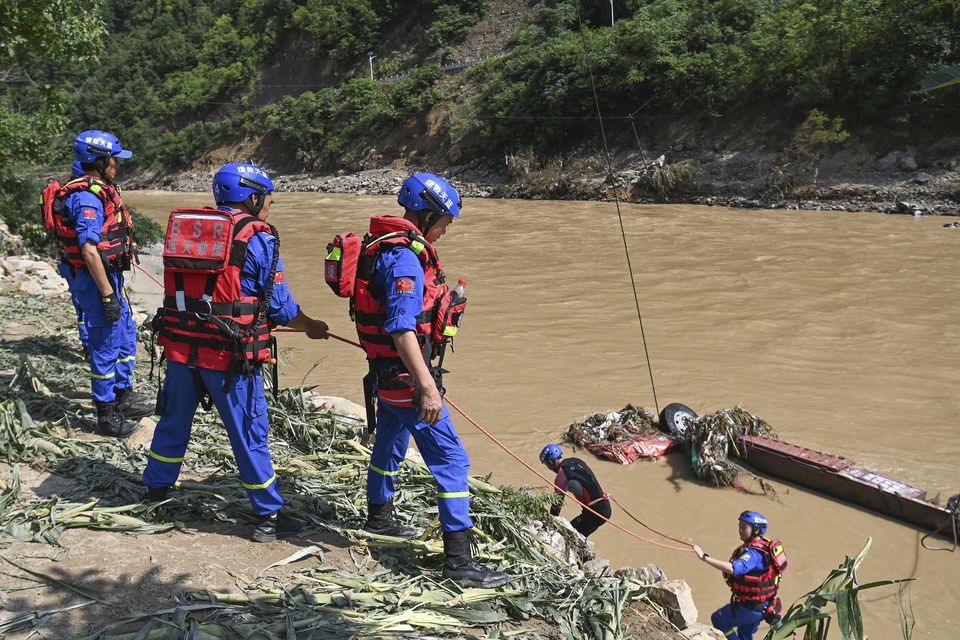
column 276, row 525
column 380, row 521
column 111, row 423
column 157, row 494
column 135, row 405
column 462, row 568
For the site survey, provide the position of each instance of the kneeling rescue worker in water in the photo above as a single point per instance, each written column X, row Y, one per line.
column 224, row 291
column 575, row 476
column 95, row 233
column 405, row 315
column 753, row 575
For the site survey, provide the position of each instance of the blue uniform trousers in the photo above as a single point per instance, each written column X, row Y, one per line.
column 243, row 409
column 442, row 451
column 745, row 620
column 113, row 345
column 66, row 271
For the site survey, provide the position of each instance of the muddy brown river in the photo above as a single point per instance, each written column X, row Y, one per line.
column 839, row 329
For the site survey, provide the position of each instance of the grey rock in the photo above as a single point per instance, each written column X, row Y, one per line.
column 904, row 207
column 922, row 178
column 646, row 575
column 596, row 566
column 907, row 163
column 676, row 599
column 699, row 631
column 888, row 162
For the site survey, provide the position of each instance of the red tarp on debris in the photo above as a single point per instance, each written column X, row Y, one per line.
column 654, row 445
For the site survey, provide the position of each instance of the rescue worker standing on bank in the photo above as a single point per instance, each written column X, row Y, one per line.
column 575, row 476
column 403, row 310
column 753, row 575
column 96, row 241
column 68, row 273
column 224, row 290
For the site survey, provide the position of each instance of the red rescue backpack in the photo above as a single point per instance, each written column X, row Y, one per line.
column 340, row 265
column 51, row 206
column 206, row 321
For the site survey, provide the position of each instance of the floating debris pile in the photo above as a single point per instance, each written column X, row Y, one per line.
column 622, row 436
column 711, row 439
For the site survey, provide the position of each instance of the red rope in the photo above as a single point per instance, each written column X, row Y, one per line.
column 149, row 275
column 549, row 482
column 516, row 457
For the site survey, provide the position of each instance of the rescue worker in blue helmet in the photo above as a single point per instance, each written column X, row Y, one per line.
column 97, row 244
column 224, row 289
column 753, row 575
column 68, row 273
column 574, row 476
column 401, row 308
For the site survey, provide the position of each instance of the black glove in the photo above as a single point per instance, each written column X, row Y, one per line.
column 555, row 510
column 112, row 309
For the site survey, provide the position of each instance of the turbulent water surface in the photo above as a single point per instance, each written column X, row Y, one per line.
column 838, row 329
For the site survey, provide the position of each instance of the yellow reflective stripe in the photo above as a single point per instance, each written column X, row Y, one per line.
column 100, row 377
column 382, row 472
column 260, row 486
column 161, row 458
column 450, row 331
column 385, row 236
column 415, row 245
column 453, row 494
column 127, row 359
column 335, row 254
column 95, row 189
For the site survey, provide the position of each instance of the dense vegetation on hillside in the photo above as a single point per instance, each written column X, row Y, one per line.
column 176, row 77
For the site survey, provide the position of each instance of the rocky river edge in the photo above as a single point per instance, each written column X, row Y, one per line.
column 898, row 182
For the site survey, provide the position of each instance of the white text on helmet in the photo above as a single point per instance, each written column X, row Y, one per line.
column 251, row 169
column 438, row 190
column 100, row 142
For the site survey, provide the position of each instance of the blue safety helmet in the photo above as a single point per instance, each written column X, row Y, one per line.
column 93, row 144
column 550, row 452
column 756, row 520
column 428, row 192
column 76, row 170
column 237, row 181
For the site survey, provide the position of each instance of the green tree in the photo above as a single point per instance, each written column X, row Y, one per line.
column 62, row 32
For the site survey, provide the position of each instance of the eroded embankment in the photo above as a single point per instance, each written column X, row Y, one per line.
column 89, row 559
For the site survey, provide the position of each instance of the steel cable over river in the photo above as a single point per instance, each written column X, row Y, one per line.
column 839, row 329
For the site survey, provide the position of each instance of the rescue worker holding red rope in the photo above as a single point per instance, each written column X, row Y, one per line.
column 224, row 292
column 574, row 476
column 405, row 314
column 753, row 575
column 95, row 233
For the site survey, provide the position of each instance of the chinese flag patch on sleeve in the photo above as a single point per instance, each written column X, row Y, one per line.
column 278, row 277
column 90, row 214
column 403, row 285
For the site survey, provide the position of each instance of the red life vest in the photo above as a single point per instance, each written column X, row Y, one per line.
column 757, row 589
column 116, row 234
column 440, row 311
column 206, row 321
